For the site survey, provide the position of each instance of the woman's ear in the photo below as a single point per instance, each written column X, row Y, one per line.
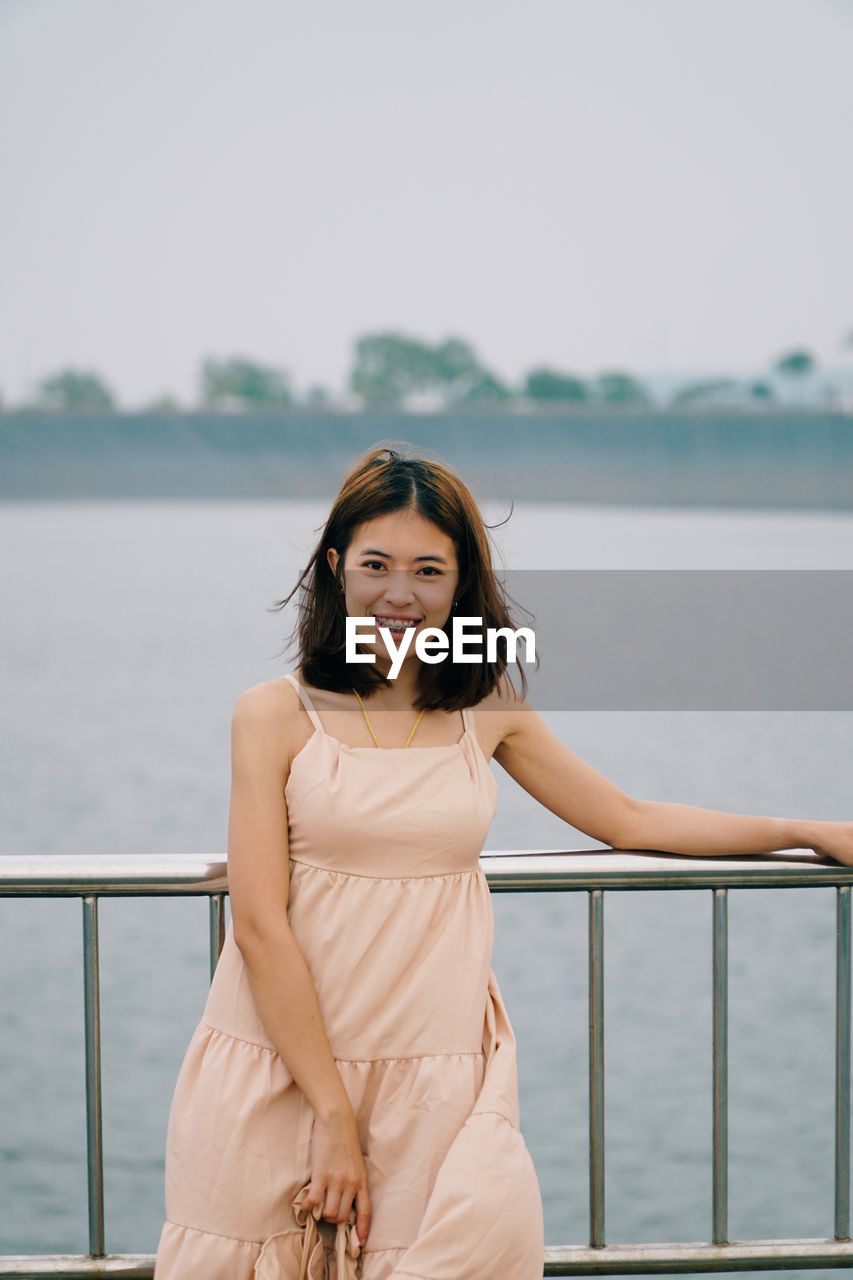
column 332, row 558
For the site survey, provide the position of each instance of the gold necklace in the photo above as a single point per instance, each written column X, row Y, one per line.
column 376, row 741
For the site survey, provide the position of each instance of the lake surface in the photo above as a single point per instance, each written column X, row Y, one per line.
column 128, row 631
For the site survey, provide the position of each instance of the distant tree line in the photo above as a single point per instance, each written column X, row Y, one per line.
column 393, row 370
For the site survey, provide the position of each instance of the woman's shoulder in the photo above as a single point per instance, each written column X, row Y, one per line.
column 267, row 698
column 270, row 709
column 498, row 713
column 505, row 696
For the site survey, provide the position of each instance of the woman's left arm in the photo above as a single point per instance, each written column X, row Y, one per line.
column 682, row 828
column 591, row 803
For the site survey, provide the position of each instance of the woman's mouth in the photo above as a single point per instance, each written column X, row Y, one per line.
column 396, row 624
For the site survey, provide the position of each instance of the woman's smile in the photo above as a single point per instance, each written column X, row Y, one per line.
column 396, row 622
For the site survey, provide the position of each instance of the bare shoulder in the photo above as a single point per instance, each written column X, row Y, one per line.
column 267, row 700
column 500, row 713
column 266, row 720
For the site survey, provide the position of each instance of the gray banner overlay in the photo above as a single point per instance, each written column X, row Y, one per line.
column 686, row 640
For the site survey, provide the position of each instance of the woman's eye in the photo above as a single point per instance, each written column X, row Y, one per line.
column 428, row 568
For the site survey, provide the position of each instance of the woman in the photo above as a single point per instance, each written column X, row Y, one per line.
column 354, row 1066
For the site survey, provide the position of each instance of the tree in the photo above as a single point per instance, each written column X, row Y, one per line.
column 616, row 387
column 548, row 386
column 796, row 363
column 74, row 391
column 484, row 388
column 454, row 362
column 390, row 366
column 238, row 383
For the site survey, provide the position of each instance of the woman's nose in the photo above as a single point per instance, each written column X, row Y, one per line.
column 398, row 590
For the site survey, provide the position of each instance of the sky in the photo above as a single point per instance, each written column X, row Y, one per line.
column 588, row 184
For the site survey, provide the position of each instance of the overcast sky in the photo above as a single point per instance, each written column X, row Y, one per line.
column 650, row 184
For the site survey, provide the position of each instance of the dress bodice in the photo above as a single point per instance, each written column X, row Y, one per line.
column 393, row 812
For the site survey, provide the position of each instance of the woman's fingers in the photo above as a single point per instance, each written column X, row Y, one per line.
column 337, row 1206
column 315, row 1195
column 363, row 1211
column 338, row 1203
column 332, row 1209
column 337, row 1200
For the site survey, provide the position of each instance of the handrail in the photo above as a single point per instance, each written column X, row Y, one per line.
column 597, row 870
column 73, row 875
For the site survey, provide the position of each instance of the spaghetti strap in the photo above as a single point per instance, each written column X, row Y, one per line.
column 306, row 701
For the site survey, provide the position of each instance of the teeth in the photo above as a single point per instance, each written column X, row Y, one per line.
column 394, row 625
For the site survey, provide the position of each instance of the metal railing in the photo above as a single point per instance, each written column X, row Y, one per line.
column 594, row 871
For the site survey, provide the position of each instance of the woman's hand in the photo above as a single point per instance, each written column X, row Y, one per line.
column 833, row 840
column 338, row 1173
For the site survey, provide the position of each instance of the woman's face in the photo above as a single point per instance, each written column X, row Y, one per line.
column 398, row 565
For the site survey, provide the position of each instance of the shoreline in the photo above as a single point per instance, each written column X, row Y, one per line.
column 787, row 459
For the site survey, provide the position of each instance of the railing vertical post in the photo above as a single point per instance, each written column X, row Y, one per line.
column 92, row 1019
column 217, row 929
column 720, row 1070
column 596, row 1068
column 842, row 1063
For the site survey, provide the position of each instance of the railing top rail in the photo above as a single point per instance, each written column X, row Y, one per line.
column 145, row 874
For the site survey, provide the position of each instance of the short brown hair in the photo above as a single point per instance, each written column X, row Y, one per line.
column 382, row 481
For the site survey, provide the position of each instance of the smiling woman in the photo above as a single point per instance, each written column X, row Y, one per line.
column 351, row 1088
column 355, row 1064
column 404, row 542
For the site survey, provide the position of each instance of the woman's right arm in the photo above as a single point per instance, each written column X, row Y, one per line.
column 262, row 729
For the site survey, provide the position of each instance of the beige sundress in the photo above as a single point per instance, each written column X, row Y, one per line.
column 393, row 913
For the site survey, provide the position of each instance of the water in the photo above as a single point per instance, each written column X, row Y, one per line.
column 129, row 630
